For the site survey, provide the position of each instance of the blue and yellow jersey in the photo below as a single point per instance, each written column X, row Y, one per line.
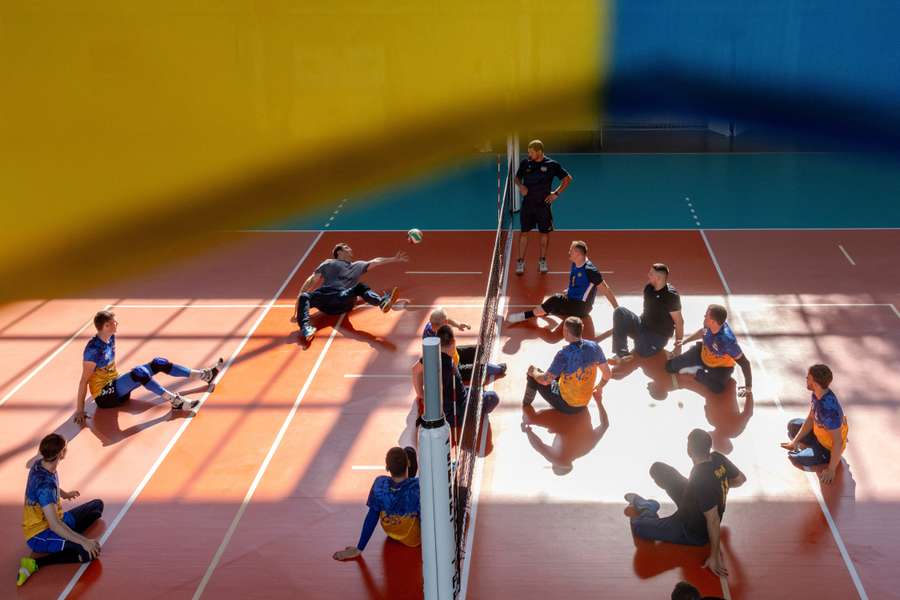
column 575, row 368
column 398, row 506
column 828, row 416
column 42, row 489
column 103, row 354
column 720, row 349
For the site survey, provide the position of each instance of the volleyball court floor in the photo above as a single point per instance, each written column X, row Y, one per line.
column 249, row 498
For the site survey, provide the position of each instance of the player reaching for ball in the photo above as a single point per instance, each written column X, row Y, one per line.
column 334, row 287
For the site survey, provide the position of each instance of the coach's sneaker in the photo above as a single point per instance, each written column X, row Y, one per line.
column 388, row 300
column 642, row 505
column 520, row 266
column 179, row 402
column 209, row 375
column 513, row 318
column 27, row 568
column 542, row 265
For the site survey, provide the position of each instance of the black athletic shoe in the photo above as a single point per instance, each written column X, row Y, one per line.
column 307, row 332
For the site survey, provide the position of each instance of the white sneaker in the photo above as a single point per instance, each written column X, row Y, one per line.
column 208, row 375
column 515, row 317
column 179, row 402
column 520, row 266
column 542, row 265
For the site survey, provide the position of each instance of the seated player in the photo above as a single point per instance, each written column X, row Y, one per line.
column 569, row 382
column 660, row 318
column 685, row 591
column 334, row 287
column 821, row 438
column 394, row 501
column 48, row 530
column 712, row 360
column 109, row 389
column 465, row 355
column 699, row 500
column 578, row 299
column 454, row 393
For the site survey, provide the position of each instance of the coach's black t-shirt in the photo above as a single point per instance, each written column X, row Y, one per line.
column 538, row 176
column 657, row 306
column 707, row 487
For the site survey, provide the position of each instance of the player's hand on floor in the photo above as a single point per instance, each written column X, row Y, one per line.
column 92, row 546
column 716, row 565
column 827, row 476
column 80, row 417
column 789, row 446
column 348, row 553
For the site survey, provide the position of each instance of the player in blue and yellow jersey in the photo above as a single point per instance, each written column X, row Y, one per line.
column 109, row 389
column 578, row 299
column 820, row 438
column 712, row 360
column 569, row 383
column 394, row 502
column 57, row 535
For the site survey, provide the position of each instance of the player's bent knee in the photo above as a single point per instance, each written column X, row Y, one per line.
column 160, row 365
column 141, row 375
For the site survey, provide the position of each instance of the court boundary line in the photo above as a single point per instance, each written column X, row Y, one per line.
column 811, row 478
column 47, row 360
column 264, row 466
column 479, row 460
column 168, row 448
column 846, row 254
column 626, row 229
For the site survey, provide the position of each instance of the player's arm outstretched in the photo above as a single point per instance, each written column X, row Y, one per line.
column 386, row 260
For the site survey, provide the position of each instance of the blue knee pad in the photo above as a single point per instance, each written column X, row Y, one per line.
column 141, row 374
column 160, row 365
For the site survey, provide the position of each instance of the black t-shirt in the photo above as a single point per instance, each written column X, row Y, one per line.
column 707, row 487
column 452, row 389
column 538, row 176
column 657, row 306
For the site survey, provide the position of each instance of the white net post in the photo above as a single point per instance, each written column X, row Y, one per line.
column 438, row 537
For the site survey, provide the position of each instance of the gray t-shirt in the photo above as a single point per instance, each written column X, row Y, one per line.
column 340, row 274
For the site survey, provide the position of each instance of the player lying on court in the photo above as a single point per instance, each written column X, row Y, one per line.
column 393, row 501
column 109, row 389
column 464, row 358
column 568, row 384
column 712, row 360
column 48, row 530
column 820, row 438
column 578, row 299
column 334, row 287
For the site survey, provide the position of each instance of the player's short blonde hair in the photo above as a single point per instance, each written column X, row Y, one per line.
column 438, row 316
column 536, row 144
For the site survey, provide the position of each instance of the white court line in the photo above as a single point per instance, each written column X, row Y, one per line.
column 265, row 464
column 852, row 262
column 140, row 487
column 443, row 272
column 47, row 360
column 787, row 229
column 896, row 312
column 811, row 478
column 375, row 376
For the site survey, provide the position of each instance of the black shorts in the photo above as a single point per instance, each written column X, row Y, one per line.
column 561, row 306
column 536, row 213
column 107, row 398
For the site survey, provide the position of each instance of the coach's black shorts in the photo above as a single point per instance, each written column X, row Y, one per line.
column 536, row 213
column 561, row 306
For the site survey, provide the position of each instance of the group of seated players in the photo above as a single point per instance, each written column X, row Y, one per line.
column 568, row 385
